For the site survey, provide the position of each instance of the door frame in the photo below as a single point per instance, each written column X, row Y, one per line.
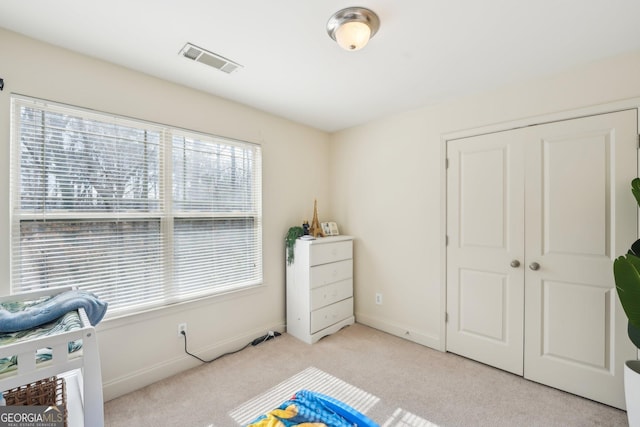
column 630, row 104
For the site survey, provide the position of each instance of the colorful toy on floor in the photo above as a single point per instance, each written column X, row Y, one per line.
column 307, row 408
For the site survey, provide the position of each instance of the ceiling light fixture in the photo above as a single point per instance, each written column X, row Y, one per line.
column 352, row 27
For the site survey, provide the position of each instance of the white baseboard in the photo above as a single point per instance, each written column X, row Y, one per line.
column 402, row 331
column 150, row 374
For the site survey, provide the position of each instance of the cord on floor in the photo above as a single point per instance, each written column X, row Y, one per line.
column 255, row 342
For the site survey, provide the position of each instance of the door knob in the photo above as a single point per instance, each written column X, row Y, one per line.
column 534, row 266
column 515, row 263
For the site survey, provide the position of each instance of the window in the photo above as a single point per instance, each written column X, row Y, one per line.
column 141, row 214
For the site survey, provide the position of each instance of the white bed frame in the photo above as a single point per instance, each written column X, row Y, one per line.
column 81, row 369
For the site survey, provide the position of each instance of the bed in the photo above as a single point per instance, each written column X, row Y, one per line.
column 65, row 348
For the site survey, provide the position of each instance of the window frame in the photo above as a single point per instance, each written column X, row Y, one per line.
column 165, row 213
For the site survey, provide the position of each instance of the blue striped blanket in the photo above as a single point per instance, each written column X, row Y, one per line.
column 19, row 317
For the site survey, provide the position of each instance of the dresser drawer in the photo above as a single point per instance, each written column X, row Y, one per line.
column 329, row 294
column 324, row 274
column 329, row 252
column 331, row 314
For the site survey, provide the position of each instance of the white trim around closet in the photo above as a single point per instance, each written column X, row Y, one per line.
column 627, row 104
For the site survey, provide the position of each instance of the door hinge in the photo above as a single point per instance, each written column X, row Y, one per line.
column 446, row 163
column 638, row 141
column 446, row 240
column 446, row 317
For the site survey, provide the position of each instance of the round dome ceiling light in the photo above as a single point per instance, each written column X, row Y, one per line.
column 352, row 27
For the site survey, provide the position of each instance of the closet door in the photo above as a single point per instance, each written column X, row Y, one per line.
column 485, row 252
column 580, row 215
column 535, row 218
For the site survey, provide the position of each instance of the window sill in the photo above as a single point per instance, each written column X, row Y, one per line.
column 119, row 320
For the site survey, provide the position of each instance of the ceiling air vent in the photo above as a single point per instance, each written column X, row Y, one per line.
column 198, row 54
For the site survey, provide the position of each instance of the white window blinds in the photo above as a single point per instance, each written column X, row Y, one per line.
column 141, row 214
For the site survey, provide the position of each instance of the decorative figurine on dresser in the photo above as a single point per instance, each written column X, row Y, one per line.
column 315, row 230
column 320, row 287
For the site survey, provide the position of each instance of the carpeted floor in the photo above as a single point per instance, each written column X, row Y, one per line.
column 393, row 381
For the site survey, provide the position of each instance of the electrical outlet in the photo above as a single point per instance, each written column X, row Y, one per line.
column 379, row 298
column 182, row 327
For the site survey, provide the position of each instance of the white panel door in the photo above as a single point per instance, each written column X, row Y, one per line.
column 485, row 210
column 555, row 197
column 580, row 215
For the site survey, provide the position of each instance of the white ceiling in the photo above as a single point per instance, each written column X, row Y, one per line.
column 425, row 52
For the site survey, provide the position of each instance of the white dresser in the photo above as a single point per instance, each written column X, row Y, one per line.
column 320, row 287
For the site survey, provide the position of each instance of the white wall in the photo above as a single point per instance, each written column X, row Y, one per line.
column 386, row 182
column 141, row 349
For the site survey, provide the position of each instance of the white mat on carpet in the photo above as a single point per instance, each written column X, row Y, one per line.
column 402, row 418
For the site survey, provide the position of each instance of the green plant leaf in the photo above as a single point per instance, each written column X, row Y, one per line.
column 635, row 248
column 627, row 276
column 626, row 271
column 290, row 240
column 634, row 334
column 635, row 189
